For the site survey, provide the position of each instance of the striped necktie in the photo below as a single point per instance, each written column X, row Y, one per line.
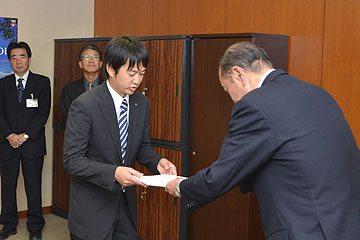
column 20, row 89
column 123, row 129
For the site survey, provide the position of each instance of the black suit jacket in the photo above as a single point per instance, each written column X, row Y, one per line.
column 70, row 92
column 16, row 118
column 92, row 153
column 290, row 143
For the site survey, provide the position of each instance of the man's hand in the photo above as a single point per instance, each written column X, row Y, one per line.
column 124, row 175
column 15, row 140
column 166, row 167
column 170, row 187
column 22, row 136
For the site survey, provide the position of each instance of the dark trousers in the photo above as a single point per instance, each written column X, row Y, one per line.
column 123, row 227
column 32, row 172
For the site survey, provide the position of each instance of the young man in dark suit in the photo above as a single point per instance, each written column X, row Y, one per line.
column 90, row 61
column 288, row 141
column 107, row 129
column 25, row 99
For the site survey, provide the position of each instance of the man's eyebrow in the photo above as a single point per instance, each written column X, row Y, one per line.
column 134, row 70
column 14, row 55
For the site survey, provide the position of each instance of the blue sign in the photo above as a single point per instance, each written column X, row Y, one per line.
column 8, row 33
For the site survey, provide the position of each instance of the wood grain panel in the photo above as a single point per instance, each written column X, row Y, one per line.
column 226, row 217
column 66, row 70
column 188, row 17
column 158, row 212
column 61, row 180
column 163, row 81
column 302, row 20
column 115, row 18
column 164, row 74
column 341, row 58
column 234, row 215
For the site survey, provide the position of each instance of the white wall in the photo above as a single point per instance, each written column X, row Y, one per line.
column 40, row 22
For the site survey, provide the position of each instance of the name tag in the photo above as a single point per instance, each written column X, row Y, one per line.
column 31, row 103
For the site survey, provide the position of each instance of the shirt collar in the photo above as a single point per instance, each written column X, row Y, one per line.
column 264, row 76
column 117, row 98
column 94, row 83
column 25, row 77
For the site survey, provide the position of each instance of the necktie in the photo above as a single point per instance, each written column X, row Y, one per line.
column 123, row 128
column 90, row 86
column 20, row 89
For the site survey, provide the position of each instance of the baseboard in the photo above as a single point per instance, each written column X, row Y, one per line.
column 45, row 210
column 59, row 212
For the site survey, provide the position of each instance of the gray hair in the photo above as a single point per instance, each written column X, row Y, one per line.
column 245, row 55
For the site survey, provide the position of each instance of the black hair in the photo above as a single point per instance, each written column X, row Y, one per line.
column 87, row 47
column 121, row 49
column 14, row 45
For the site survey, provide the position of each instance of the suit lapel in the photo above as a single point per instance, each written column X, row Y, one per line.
column 80, row 87
column 100, row 81
column 29, row 88
column 134, row 104
column 107, row 108
column 12, row 88
column 13, row 92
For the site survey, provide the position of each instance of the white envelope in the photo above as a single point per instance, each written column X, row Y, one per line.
column 158, row 180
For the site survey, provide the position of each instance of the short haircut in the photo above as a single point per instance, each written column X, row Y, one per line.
column 121, row 49
column 245, row 55
column 92, row 47
column 14, row 45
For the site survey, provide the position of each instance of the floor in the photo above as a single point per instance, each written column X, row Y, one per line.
column 55, row 229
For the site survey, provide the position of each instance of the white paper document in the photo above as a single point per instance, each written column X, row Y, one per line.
column 157, row 180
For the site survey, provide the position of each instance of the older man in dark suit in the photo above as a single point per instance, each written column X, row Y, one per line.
column 25, row 100
column 107, row 129
column 287, row 140
column 90, row 61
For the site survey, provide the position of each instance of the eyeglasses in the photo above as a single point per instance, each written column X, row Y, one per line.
column 87, row 57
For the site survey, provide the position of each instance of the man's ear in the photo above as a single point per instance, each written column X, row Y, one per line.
column 110, row 70
column 238, row 74
column 80, row 65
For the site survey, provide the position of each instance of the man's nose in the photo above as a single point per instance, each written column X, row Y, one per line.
column 137, row 79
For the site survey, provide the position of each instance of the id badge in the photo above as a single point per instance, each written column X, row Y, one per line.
column 32, row 103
